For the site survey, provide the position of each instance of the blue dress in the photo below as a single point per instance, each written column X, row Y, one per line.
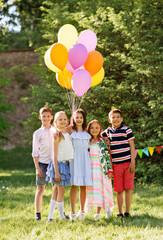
column 80, row 168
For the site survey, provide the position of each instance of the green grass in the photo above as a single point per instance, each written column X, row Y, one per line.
column 17, row 213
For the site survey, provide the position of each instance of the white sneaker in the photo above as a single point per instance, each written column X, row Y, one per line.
column 81, row 216
column 97, row 216
column 73, row 217
column 108, row 214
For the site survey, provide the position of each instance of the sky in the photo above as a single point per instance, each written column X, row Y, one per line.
column 5, row 21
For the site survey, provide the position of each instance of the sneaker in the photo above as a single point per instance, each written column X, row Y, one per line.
column 73, row 217
column 63, row 218
column 97, row 216
column 126, row 214
column 38, row 217
column 66, row 216
column 50, row 220
column 80, row 216
column 120, row 215
column 108, row 214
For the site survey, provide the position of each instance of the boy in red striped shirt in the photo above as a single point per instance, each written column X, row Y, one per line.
column 123, row 158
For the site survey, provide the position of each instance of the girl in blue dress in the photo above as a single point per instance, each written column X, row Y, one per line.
column 58, row 171
column 80, row 169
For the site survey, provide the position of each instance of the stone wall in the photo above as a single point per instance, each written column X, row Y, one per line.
column 17, row 89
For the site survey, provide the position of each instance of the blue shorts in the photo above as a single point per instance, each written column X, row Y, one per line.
column 40, row 181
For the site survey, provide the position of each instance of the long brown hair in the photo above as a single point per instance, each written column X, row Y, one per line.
column 73, row 124
column 89, row 126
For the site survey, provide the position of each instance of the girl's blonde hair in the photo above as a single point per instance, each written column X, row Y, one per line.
column 55, row 125
column 89, row 126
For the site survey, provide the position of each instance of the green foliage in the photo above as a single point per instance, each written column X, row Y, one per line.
column 129, row 38
column 28, row 15
column 149, row 170
column 4, row 106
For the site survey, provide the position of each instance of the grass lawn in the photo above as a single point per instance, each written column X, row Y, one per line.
column 17, row 213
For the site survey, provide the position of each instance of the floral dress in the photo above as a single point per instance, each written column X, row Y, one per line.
column 100, row 194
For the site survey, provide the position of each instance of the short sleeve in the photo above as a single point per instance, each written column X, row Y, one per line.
column 104, row 134
column 130, row 135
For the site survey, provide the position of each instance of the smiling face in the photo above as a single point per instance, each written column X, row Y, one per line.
column 78, row 118
column 116, row 120
column 61, row 121
column 95, row 130
column 46, row 118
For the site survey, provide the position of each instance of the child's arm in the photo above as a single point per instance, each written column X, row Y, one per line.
column 38, row 170
column 132, row 149
column 69, row 129
column 35, row 154
column 55, row 161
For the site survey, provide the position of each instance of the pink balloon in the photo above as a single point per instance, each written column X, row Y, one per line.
column 77, row 55
column 88, row 39
column 70, row 68
column 81, row 82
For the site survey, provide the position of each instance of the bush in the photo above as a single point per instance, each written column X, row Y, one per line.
column 149, row 170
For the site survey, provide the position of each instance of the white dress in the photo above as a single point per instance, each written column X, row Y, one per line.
column 80, row 169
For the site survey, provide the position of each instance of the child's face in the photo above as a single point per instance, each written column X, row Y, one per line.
column 94, row 130
column 46, row 118
column 116, row 120
column 61, row 121
column 78, row 118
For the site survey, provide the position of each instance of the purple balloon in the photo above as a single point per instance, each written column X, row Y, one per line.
column 81, row 81
column 77, row 55
column 88, row 39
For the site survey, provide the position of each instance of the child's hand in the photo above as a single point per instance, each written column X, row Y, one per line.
column 39, row 172
column 57, row 177
column 110, row 175
column 107, row 141
column 132, row 167
column 69, row 129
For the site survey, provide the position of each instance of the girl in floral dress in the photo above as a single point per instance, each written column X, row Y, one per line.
column 100, row 193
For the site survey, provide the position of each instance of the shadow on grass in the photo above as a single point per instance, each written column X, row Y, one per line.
column 16, row 178
column 140, row 221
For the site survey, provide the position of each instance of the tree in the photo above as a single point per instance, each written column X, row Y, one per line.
column 27, row 15
column 129, row 37
column 4, row 107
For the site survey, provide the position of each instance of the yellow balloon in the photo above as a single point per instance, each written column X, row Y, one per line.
column 98, row 77
column 67, row 35
column 64, row 78
column 49, row 63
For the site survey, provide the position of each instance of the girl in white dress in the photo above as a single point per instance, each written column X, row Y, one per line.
column 80, row 169
column 58, row 172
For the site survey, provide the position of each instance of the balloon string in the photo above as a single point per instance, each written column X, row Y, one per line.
column 68, row 94
column 81, row 100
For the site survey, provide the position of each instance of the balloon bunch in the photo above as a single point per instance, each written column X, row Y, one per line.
column 77, row 64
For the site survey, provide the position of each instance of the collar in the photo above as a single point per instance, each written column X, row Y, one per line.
column 46, row 128
column 114, row 129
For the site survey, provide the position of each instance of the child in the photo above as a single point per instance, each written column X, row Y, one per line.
column 58, row 171
column 42, row 155
column 80, row 169
column 123, row 159
column 100, row 193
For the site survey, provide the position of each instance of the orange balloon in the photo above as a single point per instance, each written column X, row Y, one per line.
column 59, row 55
column 64, row 78
column 94, row 62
